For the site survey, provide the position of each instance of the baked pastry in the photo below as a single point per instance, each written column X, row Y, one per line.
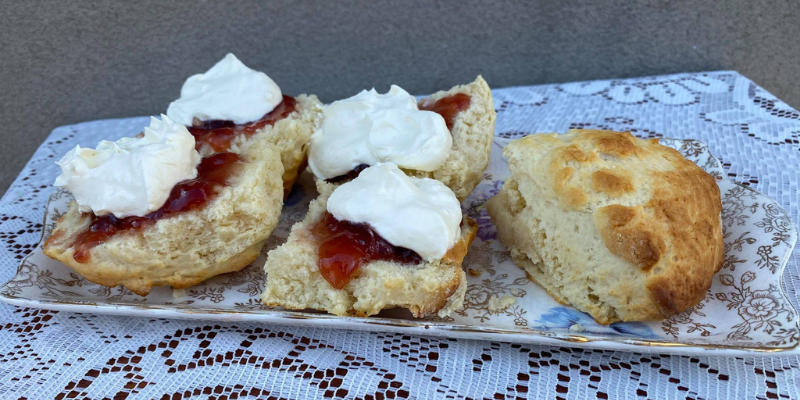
column 446, row 137
column 621, row 228
column 214, row 220
column 231, row 106
column 319, row 267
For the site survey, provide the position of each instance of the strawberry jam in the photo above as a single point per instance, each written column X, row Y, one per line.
column 212, row 174
column 219, row 134
column 448, row 107
column 344, row 246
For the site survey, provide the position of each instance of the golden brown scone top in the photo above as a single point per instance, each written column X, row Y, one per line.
column 651, row 206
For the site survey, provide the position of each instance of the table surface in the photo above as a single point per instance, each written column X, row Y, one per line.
column 47, row 354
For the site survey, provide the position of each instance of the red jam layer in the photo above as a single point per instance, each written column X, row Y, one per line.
column 344, row 246
column 219, row 134
column 448, row 107
column 212, row 174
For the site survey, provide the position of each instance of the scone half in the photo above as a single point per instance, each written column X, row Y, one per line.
column 182, row 250
column 295, row 282
column 621, row 228
column 469, row 120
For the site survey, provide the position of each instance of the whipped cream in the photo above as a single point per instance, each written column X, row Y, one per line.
column 369, row 128
column 132, row 176
column 423, row 215
column 229, row 91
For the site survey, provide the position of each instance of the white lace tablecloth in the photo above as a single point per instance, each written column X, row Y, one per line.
column 47, row 354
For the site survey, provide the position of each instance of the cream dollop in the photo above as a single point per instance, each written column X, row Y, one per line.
column 423, row 215
column 132, row 176
column 369, row 128
column 229, row 91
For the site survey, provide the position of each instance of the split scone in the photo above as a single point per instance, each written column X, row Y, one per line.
column 621, row 228
column 149, row 211
column 230, row 107
column 382, row 240
column 446, row 137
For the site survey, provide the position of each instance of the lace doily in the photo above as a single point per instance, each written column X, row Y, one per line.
column 46, row 354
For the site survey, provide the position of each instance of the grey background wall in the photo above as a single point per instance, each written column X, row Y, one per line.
column 67, row 62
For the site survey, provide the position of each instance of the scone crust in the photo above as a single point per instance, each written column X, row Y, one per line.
column 647, row 234
column 290, row 135
column 294, row 281
column 473, row 132
column 180, row 251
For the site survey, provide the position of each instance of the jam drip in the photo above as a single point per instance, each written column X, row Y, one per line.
column 219, row 134
column 212, row 174
column 352, row 174
column 448, row 107
column 344, row 246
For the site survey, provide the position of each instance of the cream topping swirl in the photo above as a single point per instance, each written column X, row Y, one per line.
column 369, row 128
column 423, row 215
column 229, row 91
column 133, row 175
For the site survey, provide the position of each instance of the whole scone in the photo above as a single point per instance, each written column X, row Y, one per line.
column 182, row 250
column 621, row 228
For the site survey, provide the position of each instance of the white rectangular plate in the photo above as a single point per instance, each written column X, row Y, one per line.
column 745, row 311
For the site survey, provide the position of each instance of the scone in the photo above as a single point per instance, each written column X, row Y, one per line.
column 214, row 220
column 414, row 264
column 621, row 228
column 230, row 107
column 446, row 137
